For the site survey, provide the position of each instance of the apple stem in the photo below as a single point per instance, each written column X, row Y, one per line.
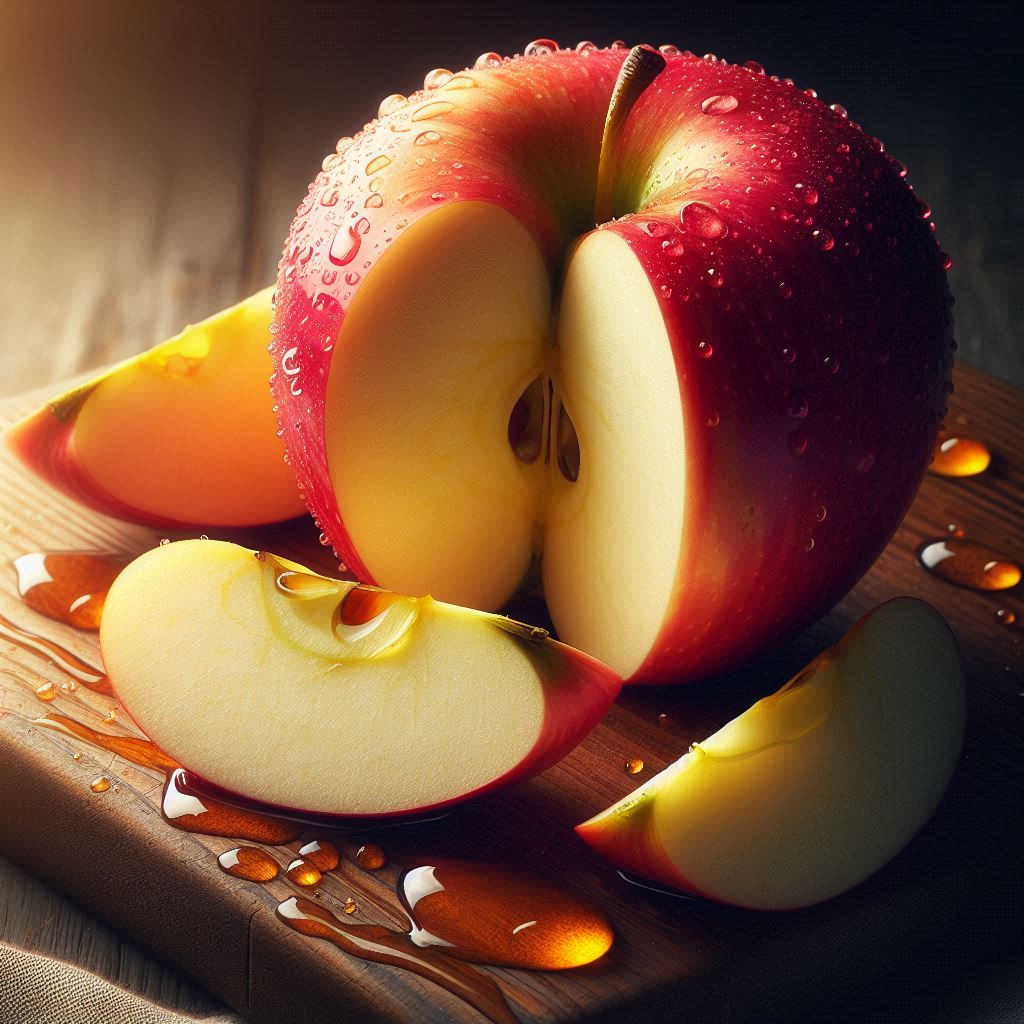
column 641, row 66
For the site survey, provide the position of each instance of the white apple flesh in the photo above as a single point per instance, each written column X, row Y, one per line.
column 317, row 695
column 814, row 788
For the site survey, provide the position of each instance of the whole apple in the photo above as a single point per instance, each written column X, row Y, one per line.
column 681, row 336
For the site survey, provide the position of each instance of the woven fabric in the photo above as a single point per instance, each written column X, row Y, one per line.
column 37, row 990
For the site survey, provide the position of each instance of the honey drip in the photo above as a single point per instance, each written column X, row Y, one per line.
column 189, row 809
column 371, row 857
column 100, row 784
column 501, row 915
column 966, row 564
column 959, row 456
column 383, row 946
column 79, row 670
column 142, row 752
column 250, row 863
column 69, row 586
column 303, row 873
column 322, row 854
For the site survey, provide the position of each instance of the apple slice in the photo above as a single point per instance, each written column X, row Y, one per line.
column 183, row 433
column 328, row 697
column 814, row 788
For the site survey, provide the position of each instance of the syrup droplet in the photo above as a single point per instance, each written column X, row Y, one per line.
column 79, row 670
column 100, row 784
column 188, row 808
column 322, row 854
column 349, row 906
column 303, row 873
column 966, row 564
column 250, row 863
column 634, row 766
column 719, row 105
column 959, row 456
column 371, row 857
column 144, row 753
column 498, row 915
column 46, row 692
column 1005, row 617
column 383, row 946
column 69, row 586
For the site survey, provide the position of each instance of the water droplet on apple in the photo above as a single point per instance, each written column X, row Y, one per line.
column 866, row 462
column 352, row 277
column 831, row 364
column 798, row 442
column 654, row 228
column 797, row 406
column 712, row 419
column 809, row 195
column 427, row 138
column 436, row 78
column 345, row 246
column 789, row 355
column 705, row 349
column 719, row 105
column 752, row 65
column 823, row 239
column 945, row 261
column 838, row 108
column 391, row 103
column 540, row 48
column 668, row 50
column 488, row 60
column 703, row 220
column 665, row 291
column 715, row 278
column 809, row 544
column 785, row 290
column 843, row 148
column 820, row 513
column 618, row 44
column 438, row 197
column 435, row 108
column 329, row 198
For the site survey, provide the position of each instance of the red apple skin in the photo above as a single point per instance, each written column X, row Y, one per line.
column 45, row 443
column 578, row 692
column 813, row 368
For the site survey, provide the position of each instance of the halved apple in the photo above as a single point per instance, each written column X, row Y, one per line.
column 329, row 697
column 814, row 788
column 183, row 433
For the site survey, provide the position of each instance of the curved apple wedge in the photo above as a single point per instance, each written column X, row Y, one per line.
column 181, row 434
column 328, row 697
column 814, row 788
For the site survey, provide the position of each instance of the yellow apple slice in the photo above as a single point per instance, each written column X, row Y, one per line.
column 814, row 788
column 184, row 433
column 323, row 696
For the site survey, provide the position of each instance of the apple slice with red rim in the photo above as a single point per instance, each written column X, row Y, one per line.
column 331, row 698
column 814, row 788
column 705, row 415
column 183, row 433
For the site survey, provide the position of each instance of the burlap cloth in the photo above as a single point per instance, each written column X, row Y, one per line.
column 37, row 990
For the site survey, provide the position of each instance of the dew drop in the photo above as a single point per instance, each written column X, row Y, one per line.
column 843, row 148
column 436, row 108
column 715, row 278
column 702, row 220
column 437, row 78
column 540, row 48
column 820, row 513
column 798, row 406
column 719, row 105
column 705, row 349
column 785, row 290
column 798, row 442
column 378, row 163
column 391, row 103
column 789, row 355
column 838, row 108
column 488, row 60
column 668, row 50
column 427, row 138
column 752, row 65
column 809, row 195
column 823, row 239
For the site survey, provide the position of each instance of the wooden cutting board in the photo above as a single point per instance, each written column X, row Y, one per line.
column 954, row 897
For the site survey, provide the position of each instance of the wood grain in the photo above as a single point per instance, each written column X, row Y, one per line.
column 951, row 899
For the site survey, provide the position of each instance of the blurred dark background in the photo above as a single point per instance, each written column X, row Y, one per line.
column 152, row 154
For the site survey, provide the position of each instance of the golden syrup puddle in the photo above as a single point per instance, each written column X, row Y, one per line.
column 967, row 564
column 69, row 586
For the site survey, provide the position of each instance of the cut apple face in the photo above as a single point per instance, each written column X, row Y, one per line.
column 813, row 789
column 327, row 697
column 467, row 432
column 182, row 434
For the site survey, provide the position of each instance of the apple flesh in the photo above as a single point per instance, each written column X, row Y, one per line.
column 813, row 789
column 322, row 696
column 182, row 434
column 723, row 399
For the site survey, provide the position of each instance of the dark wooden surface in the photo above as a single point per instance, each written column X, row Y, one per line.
column 153, row 155
column 953, row 898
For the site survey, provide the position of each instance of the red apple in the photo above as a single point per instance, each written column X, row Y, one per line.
column 347, row 700
column 705, row 416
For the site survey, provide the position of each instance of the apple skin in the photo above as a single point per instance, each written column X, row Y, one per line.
column 814, row 788
column 811, row 331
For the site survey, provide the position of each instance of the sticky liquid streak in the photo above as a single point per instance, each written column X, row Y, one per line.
column 383, row 946
column 70, row 586
column 81, row 671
